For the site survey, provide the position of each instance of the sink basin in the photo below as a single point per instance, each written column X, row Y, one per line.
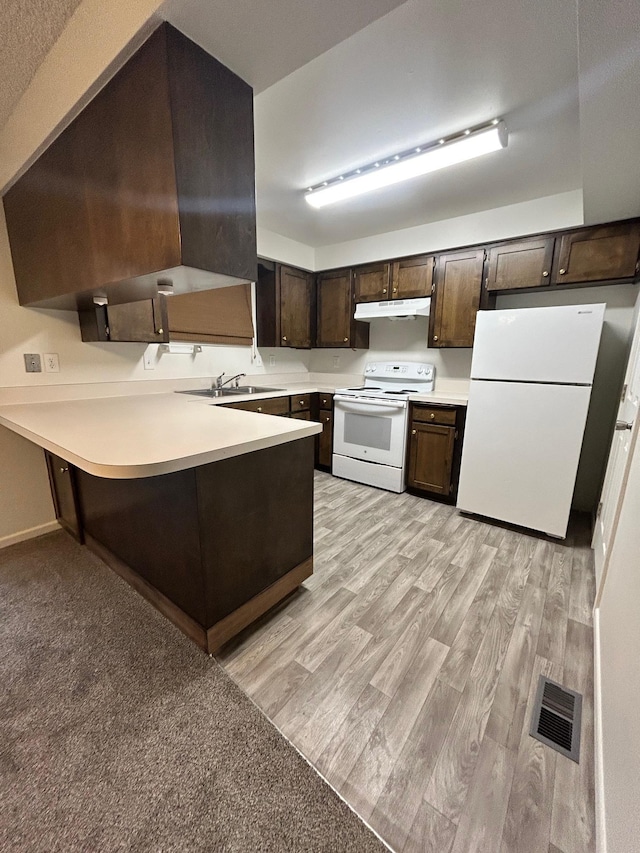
column 206, row 392
column 250, row 389
column 228, row 392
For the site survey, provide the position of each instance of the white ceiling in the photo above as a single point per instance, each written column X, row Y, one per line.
column 28, row 31
column 425, row 70
column 341, row 83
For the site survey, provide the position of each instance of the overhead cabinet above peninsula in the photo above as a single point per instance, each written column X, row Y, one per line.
column 153, row 183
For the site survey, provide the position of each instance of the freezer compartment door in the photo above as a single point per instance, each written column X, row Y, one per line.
column 521, row 450
column 557, row 344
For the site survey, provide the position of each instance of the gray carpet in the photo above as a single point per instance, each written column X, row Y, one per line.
column 116, row 733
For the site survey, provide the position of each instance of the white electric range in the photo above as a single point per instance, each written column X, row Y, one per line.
column 370, row 423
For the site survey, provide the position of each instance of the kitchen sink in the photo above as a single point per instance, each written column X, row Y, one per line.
column 225, row 392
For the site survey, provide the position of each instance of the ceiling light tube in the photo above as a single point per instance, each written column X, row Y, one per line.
column 418, row 161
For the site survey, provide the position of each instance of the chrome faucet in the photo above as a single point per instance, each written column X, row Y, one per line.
column 218, row 383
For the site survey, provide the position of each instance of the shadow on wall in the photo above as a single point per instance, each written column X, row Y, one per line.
column 601, row 417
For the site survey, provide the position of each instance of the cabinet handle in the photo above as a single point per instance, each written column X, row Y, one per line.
column 384, row 289
column 562, row 272
column 284, row 337
column 432, row 416
column 545, row 273
column 327, row 419
column 64, row 470
column 259, row 408
column 345, row 340
column 160, row 331
column 414, row 431
column 301, row 402
column 435, row 337
column 395, row 289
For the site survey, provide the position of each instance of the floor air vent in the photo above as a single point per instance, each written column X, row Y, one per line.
column 556, row 718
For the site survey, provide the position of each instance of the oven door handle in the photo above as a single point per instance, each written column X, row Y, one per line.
column 364, row 407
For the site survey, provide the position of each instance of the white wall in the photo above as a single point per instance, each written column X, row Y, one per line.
column 402, row 341
column 617, row 697
column 563, row 210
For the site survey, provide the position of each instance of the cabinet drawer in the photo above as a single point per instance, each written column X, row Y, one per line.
column 301, row 402
column 326, row 401
column 271, row 406
column 434, row 415
column 301, row 416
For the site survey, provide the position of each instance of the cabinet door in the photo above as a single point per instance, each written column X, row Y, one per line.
column 598, row 254
column 335, row 309
column 527, row 263
column 412, row 277
column 372, row 282
column 144, row 321
column 301, row 416
column 296, row 308
column 325, row 444
column 63, row 491
column 456, row 299
column 431, row 457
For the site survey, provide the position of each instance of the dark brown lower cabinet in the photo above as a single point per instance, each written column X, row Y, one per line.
column 323, row 412
column 434, row 449
column 62, row 477
column 212, row 547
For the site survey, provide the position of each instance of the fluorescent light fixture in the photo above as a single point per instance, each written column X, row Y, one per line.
column 466, row 145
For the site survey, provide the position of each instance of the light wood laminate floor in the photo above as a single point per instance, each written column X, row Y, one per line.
column 405, row 671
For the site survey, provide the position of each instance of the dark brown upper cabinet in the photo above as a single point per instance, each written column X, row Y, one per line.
column 154, row 179
column 601, row 253
column 519, row 264
column 220, row 316
column 456, row 298
column 144, row 321
column 297, row 307
column 336, row 325
column 412, row 277
column 373, row 282
column 285, row 306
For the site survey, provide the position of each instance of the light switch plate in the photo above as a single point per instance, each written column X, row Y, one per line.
column 149, row 358
column 32, row 362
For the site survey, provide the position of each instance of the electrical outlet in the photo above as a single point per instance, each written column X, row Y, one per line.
column 272, row 360
column 149, row 359
column 336, row 361
column 32, row 362
column 51, row 362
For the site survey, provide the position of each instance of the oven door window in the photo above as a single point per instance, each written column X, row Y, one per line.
column 367, row 431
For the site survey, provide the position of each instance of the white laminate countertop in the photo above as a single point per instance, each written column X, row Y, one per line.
column 146, row 435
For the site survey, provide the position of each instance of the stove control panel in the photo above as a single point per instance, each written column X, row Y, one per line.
column 401, row 370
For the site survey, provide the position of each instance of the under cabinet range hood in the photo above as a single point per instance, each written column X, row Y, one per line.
column 150, row 189
column 395, row 309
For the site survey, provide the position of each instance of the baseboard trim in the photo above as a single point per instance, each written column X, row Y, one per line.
column 213, row 639
column 226, row 628
column 601, row 830
column 30, row 533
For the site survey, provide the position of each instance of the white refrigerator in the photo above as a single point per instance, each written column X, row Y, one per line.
column 531, row 376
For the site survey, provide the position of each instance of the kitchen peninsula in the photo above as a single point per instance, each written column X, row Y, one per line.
column 206, row 511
